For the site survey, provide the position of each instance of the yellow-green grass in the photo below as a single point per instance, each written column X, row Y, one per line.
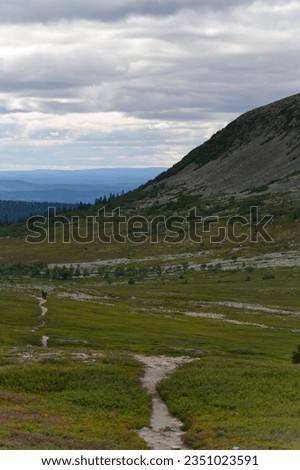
column 149, row 316
column 284, row 230
column 223, row 398
column 71, row 406
column 227, row 402
column 19, row 313
column 241, row 390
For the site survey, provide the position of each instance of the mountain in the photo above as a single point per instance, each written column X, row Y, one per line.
column 71, row 186
column 259, row 151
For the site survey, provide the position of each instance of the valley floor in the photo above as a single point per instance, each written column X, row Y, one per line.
column 71, row 376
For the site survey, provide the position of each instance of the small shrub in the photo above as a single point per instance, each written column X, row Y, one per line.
column 296, row 355
column 268, row 276
column 296, row 214
column 249, row 269
column 259, row 189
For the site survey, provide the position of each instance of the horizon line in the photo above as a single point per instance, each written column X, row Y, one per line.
column 82, row 169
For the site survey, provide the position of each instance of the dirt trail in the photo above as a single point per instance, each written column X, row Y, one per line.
column 165, row 430
column 44, row 311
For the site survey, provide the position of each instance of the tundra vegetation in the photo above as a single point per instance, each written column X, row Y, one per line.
column 232, row 308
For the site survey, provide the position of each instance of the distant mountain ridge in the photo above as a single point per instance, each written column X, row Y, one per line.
column 72, row 186
column 259, row 149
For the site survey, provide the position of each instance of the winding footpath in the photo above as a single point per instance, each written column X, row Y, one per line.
column 44, row 311
column 165, row 430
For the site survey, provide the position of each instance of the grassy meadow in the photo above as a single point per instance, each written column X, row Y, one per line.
column 84, row 389
column 239, row 326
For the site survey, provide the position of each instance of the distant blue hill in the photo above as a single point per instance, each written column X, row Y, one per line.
column 72, row 186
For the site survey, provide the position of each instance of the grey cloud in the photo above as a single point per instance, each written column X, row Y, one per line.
column 173, row 81
column 196, row 73
column 30, row 11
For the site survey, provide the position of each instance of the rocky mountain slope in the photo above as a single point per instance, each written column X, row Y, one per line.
column 259, row 151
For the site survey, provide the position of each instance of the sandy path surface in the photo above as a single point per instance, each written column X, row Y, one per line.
column 44, row 311
column 165, row 430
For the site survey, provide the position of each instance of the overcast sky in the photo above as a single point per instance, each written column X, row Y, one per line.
column 104, row 83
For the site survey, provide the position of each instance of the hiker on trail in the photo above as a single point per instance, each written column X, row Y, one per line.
column 44, row 294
